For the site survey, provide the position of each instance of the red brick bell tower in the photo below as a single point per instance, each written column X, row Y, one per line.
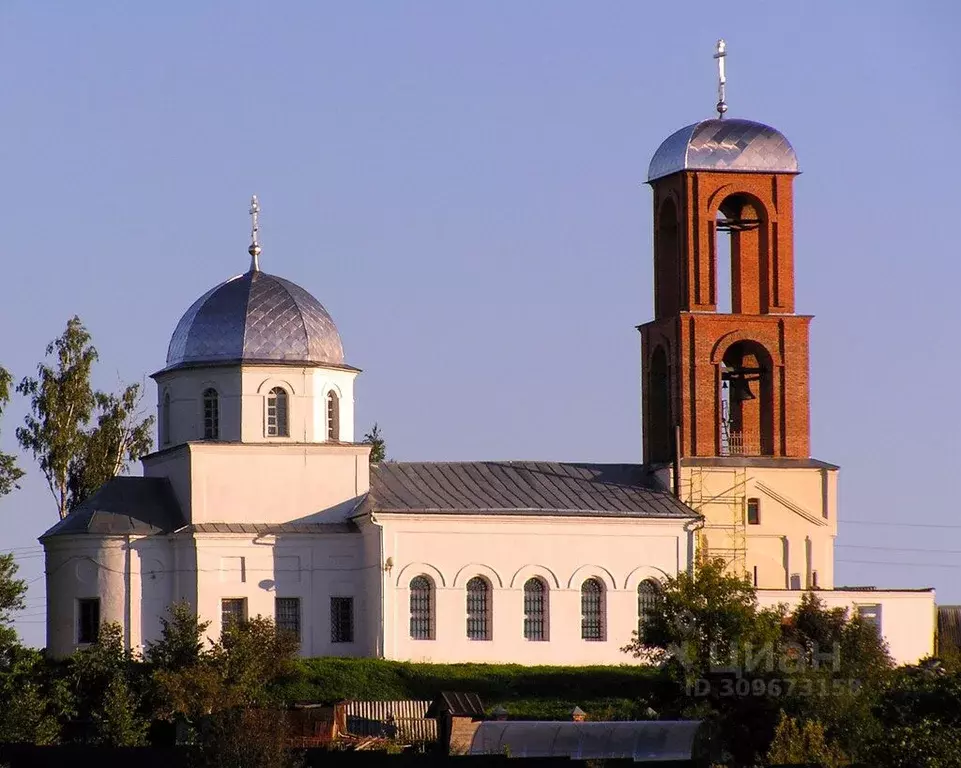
column 731, row 384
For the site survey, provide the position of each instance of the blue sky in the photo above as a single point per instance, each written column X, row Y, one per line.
column 462, row 186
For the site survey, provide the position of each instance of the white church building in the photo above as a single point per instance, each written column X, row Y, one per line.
column 260, row 501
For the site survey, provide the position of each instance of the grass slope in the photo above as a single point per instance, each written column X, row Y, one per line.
column 526, row 692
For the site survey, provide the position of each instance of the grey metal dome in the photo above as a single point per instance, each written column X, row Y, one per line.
column 253, row 318
column 724, row 145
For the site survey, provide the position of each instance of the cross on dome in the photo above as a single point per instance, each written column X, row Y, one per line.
column 254, row 249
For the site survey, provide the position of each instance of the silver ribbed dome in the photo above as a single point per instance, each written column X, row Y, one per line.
column 253, row 318
column 724, row 145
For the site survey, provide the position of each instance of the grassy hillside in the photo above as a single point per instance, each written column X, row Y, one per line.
column 528, row 692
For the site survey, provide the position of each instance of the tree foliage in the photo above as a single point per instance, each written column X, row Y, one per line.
column 10, row 473
column 378, row 447
column 181, row 642
column 78, row 436
column 35, row 701
column 702, row 618
column 109, row 688
column 120, row 436
column 803, row 742
column 12, row 593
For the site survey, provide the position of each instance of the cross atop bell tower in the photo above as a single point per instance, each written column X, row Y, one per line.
column 729, row 383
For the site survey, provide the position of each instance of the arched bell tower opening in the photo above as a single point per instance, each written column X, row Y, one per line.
column 660, row 421
column 667, row 261
column 746, row 401
column 740, row 256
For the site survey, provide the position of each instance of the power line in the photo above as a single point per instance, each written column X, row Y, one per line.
column 901, row 549
column 888, row 562
column 901, row 525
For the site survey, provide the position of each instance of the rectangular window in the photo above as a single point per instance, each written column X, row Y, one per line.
column 341, row 619
column 795, row 581
column 233, row 610
column 753, row 511
column 871, row 615
column 88, row 620
column 755, row 575
column 287, row 614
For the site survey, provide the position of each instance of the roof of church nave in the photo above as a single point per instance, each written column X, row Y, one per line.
column 256, row 318
column 147, row 505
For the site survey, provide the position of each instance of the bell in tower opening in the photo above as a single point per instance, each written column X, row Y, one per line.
column 746, row 418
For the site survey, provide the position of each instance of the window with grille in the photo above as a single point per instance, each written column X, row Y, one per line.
column 478, row 609
column 333, row 416
column 341, row 619
column 211, row 414
column 233, row 610
column 88, row 620
column 753, row 511
column 647, row 592
column 165, row 419
column 277, row 413
column 287, row 614
column 421, row 608
column 871, row 615
column 592, row 610
column 535, row 610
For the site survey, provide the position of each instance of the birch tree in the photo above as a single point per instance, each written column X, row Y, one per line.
column 80, row 437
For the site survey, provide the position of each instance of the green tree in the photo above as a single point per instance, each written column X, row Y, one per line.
column 35, row 701
column 10, row 473
column 705, row 618
column 803, row 742
column 919, row 714
column 12, row 593
column 181, row 643
column 79, row 437
column 61, row 403
column 378, row 447
column 108, row 689
column 121, row 435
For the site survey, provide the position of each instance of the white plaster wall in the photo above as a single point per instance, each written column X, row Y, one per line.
column 908, row 618
column 186, row 387
column 83, row 567
column 242, row 392
column 312, row 567
column 307, row 406
column 798, row 520
column 341, row 382
column 507, row 551
column 276, row 483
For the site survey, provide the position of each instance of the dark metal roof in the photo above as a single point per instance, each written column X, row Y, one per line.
column 456, row 705
column 724, row 145
column 949, row 627
column 124, row 505
column 521, row 487
column 256, row 318
column 266, row 529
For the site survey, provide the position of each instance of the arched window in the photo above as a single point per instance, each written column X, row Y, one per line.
column 421, row 608
column 211, row 414
column 165, row 419
column 535, row 610
column 647, row 592
column 592, row 610
column 277, row 413
column 478, row 609
column 333, row 416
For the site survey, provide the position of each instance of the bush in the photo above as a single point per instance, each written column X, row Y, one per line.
column 526, row 692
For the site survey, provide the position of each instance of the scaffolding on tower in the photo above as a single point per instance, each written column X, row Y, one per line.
column 724, row 511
